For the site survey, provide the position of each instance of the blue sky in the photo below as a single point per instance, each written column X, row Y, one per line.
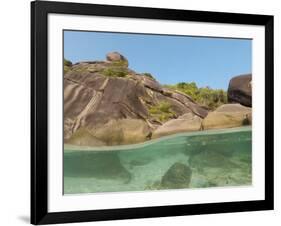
column 170, row 59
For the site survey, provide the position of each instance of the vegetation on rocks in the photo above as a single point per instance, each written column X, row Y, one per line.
column 162, row 111
column 114, row 72
column 149, row 75
column 116, row 69
column 137, row 107
column 66, row 65
column 211, row 98
column 120, row 63
column 67, row 62
column 117, row 111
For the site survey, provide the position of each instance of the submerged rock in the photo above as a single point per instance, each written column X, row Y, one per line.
column 99, row 165
column 240, row 90
column 228, row 116
column 177, row 176
column 210, row 158
column 139, row 162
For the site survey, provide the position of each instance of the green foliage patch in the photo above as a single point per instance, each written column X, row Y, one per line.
column 116, row 69
column 211, row 98
column 149, row 75
column 66, row 65
column 120, row 63
column 161, row 111
column 115, row 72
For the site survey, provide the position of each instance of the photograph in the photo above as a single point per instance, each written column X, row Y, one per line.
column 147, row 112
column 140, row 112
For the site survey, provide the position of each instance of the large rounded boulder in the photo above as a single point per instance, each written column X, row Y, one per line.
column 228, row 116
column 123, row 131
column 240, row 90
column 115, row 56
column 185, row 123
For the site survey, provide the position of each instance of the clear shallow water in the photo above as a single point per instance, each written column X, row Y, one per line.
column 215, row 157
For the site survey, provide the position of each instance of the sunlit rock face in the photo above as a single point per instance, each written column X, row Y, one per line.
column 228, row 116
column 106, row 97
column 185, row 123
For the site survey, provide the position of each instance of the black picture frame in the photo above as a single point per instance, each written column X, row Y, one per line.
column 39, row 112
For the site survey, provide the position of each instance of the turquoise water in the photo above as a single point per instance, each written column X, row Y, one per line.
column 216, row 158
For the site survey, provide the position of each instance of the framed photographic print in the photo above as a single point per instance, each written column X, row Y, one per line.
column 145, row 112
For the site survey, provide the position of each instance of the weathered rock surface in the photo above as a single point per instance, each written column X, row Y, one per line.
column 227, row 116
column 184, row 123
column 123, row 131
column 117, row 105
column 177, row 176
column 240, row 90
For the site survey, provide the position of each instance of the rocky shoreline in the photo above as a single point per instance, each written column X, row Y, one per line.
column 106, row 103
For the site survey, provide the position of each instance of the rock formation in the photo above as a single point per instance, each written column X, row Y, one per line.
column 115, row 56
column 177, row 176
column 240, row 90
column 185, row 123
column 228, row 116
column 117, row 105
column 107, row 103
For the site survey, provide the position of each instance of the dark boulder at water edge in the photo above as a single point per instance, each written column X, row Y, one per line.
column 240, row 90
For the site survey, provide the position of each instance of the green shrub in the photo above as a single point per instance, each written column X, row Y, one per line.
column 162, row 111
column 116, row 69
column 67, row 63
column 114, row 72
column 120, row 63
column 211, row 98
column 148, row 75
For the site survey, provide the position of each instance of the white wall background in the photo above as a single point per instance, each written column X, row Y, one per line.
column 14, row 112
